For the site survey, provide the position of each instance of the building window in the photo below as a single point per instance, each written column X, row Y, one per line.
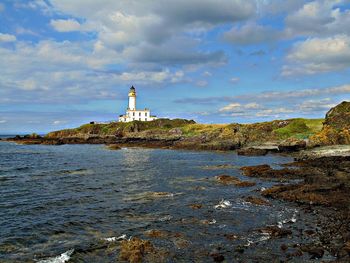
column 124, row 119
column 139, row 113
column 133, row 119
column 139, row 119
column 133, row 114
column 146, row 114
column 145, row 119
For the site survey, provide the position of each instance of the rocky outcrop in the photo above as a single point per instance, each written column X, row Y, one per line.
column 336, row 127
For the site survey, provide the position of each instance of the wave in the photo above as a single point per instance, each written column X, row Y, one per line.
column 64, row 257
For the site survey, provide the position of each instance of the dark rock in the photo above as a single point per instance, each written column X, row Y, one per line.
column 217, row 257
column 252, row 152
column 314, row 251
column 284, row 247
column 292, row 145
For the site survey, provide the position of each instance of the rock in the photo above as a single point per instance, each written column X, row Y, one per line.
column 336, row 127
column 231, row 236
column 252, row 152
column 217, row 257
column 196, row 206
column 231, row 180
column 314, row 251
column 265, row 171
column 257, row 201
column 284, row 247
column 245, row 184
column 292, row 145
column 176, row 131
column 113, row 147
column 275, row 231
column 154, row 233
column 135, row 249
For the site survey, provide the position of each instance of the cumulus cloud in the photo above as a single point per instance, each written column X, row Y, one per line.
column 319, row 18
column 317, row 55
column 155, row 31
column 67, row 25
column 7, row 38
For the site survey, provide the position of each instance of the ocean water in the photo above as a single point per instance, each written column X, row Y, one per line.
column 72, row 202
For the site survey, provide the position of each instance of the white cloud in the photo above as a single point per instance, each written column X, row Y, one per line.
column 202, row 83
column 317, row 55
column 7, row 38
column 3, row 121
column 67, row 25
column 58, row 122
column 319, row 18
column 316, row 105
column 207, row 74
column 234, row 80
column 231, row 107
column 274, row 112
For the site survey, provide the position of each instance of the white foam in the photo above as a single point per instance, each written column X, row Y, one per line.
column 166, row 218
column 114, row 239
column 223, row 204
column 64, row 257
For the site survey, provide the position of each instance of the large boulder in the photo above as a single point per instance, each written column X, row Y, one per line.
column 338, row 117
column 336, row 128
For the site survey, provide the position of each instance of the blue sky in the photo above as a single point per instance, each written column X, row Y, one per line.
column 64, row 63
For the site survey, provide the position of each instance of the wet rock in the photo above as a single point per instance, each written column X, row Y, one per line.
column 135, row 249
column 231, row 180
column 154, row 233
column 217, row 257
column 284, row 247
column 292, row 145
column 265, row 171
column 252, row 152
column 218, row 167
column 181, row 243
column 245, row 184
column 196, row 206
column 309, row 232
column 275, row 231
column 231, row 236
column 257, row 201
column 314, row 251
column 113, row 147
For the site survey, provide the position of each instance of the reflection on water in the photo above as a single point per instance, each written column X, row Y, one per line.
column 73, row 201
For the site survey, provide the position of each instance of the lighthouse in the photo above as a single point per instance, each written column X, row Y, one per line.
column 132, row 98
column 132, row 114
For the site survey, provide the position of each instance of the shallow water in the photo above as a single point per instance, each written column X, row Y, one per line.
column 64, row 202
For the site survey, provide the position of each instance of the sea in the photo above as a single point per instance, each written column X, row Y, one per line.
column 76, row 203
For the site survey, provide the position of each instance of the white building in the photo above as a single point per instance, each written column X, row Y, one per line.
column 132, row 114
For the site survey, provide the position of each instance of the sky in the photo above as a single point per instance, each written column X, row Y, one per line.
column 68, row 62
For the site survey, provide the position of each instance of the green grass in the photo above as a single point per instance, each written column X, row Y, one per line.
column 300, row 128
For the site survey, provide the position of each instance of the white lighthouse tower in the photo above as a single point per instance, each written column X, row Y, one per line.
column 132, row 99
column 132, row 114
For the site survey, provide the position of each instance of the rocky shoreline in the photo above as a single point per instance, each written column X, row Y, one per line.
column 318, row 181
column 324, row 190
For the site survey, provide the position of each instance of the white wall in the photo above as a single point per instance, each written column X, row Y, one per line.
column 132, row 103
column 137, row 116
